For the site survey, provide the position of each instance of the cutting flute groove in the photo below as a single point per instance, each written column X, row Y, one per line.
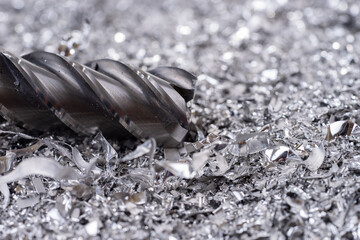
column 46, row 91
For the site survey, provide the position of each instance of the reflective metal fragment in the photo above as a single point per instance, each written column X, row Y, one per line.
column 136, row 198
column 55, row 216
column 316, row 158
column 222, row 164
column 78, row 189
column 6, row 161
column 148, row 147
column 4, row 189
column 171, row 154
column 84, row 166
column 182, row 169
column 64, row 204
column 109, row 150
column 46, row 167
column 38, row 184
column 27, row 202
column 200, row 159
column 340, row 128
column 93, row 227
column 280, row 154
column 249, row 144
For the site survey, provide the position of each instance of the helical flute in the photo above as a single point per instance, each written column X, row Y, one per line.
column 43, row 91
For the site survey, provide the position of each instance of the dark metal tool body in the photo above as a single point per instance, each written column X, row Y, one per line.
column 44, row 91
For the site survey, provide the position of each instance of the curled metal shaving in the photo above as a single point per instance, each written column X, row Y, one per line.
column 49, row 168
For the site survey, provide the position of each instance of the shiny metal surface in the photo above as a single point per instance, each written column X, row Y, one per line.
column 43, row 90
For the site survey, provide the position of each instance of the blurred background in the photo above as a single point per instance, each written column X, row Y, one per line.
column 216, row 37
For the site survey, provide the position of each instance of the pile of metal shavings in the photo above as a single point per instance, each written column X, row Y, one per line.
column 273, row 150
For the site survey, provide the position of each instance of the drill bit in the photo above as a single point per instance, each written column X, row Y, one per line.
column 46, row 91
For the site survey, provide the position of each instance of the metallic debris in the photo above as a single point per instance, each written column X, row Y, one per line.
column 93, row 227
column 280, row 153
column 46, row 167
column 148, row 147
column 340, row 128
column 275, row 78
column 222, row 165
column 316, row 159
column 38, row 184
column 6, row 161
column 183, row 169
column 27, row 202
column 171, row 154
column 40, row 166
column 199, row 159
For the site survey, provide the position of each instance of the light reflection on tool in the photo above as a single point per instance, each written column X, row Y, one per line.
column 45, row 91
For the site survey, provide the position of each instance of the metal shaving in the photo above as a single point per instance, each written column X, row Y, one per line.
column 273, row 150
column 315, row 159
